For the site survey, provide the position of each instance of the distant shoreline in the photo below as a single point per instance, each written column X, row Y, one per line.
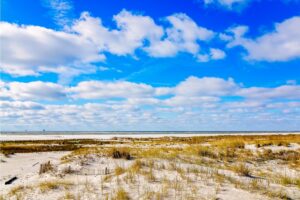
column 133, row 132
column 109, row 135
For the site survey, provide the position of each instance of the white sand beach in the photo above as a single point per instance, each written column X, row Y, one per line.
column 159, row 168
column 20, row 137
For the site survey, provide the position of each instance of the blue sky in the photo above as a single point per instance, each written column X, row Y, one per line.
column 150, row 65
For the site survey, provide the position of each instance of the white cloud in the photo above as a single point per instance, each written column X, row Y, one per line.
column 284, row 91
column 282, row 44
column 143, row 101
column 202, row 114
column 160, row 91
column 35, row 90
column 119, row 89
column 217, row 54
column 229, row 4
column 203, row 101
column 245, row 104
column 20, row 105
column 182, row 36
column 32, row 50
column 195, row 103
column 214, row 54
column 133, row 31
column 29, row 50
column 61, row 11
column 207, row 86
column 203, row 58
column 192, row 89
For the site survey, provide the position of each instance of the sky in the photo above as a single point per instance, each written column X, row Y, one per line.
column 149, row 65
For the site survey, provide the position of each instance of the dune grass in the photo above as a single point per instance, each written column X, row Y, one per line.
column 47, row 186
column 177, row 165
column 242, row 170
column 121, row 194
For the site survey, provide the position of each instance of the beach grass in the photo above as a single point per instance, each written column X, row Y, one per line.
column 168, row 167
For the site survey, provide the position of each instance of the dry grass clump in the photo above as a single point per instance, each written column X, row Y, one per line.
column 242, row 170
column 121, row 194
column 18, row 191
column 228, row 153
column 288, row 156
column 69, row 196
column 266, row 154
column 107, row 178
column 46, row 167
column 11, row 148
column 49, row 185
column 264, row 143
column 297, row 181
column 278, row 194
column 228, row 143
column 150, row 175
column 82, row 153
column 68, row 170
column 121, row 153
column 136, row 166
column 119, row 170
column 255, row 185
column 237, row 144
column 293, row 156
column 259, row 144
column 159, row 152
column 207, row 152
column 53, row 185
column 287, row 180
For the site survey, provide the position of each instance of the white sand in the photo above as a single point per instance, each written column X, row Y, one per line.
column 13, row 137
column 88, row 179
column 24, row 166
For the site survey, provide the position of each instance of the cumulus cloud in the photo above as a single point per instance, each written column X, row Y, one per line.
column 20, row 105
column 187, row 101
column 285, row 92
column 201, row 115
column 194, row 102
column 29, row 50
column 136, row 31
column 190, row 88
column 214, row 54
column 32, row 50
column 120, row 89
column 182, row 36
column 133, row 31
column 36, row 90
column 206, row 86
column 282, row 44
column 217, row 54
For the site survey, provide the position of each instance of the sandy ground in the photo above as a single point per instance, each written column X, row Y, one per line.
column 88, row 180
column 24, row 166
column 94, row 176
